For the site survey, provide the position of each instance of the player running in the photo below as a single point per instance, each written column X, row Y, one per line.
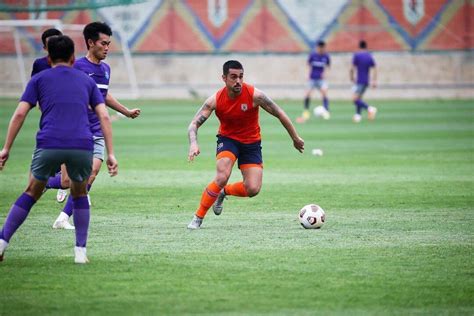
column 237, row 107
column 318, row 62
column 364, row 64
column 97, row 37
column 64, row 96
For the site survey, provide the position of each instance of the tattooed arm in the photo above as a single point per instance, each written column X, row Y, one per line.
column 201, row 116
column 260, row 99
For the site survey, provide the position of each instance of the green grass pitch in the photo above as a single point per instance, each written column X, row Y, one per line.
column 398, row 195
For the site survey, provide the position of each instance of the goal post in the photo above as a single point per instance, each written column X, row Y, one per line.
column 22, row 44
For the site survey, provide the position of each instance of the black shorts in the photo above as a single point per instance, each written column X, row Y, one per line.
column 247, row 155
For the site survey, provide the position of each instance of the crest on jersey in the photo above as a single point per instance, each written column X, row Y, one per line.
column 413, row 10
column 244, row 107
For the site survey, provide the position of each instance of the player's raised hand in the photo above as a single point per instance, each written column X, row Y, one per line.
column 193, row 151
column 4, row 154
column 112, row 165
column 134, row 113
column 299, row 144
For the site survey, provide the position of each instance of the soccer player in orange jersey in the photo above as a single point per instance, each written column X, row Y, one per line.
column 237, row 107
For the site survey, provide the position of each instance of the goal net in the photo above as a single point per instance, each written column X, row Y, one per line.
column 21, row 45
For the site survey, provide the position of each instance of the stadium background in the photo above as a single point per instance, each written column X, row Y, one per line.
column 423, row 48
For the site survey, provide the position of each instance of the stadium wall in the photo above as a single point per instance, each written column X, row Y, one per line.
column 401, row 75
column 423, row 48
column 268, row 26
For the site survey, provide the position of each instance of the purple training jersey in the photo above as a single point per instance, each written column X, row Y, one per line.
column 318, row 62
column 101, row 75
column 363, row 61
column 39, row 65
column 64, row 95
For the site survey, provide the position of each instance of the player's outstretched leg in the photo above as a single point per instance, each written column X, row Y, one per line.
column 17, row 215
column 208, row 198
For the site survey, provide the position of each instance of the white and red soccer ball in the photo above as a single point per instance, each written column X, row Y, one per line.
column 312, row 216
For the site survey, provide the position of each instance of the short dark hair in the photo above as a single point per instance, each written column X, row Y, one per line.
column 363, row 44
column 49, row 33
column 60, row 48
column 92, row 30
column 234, row 64
column 321, row 43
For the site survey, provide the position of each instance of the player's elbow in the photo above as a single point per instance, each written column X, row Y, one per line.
column 19, row 117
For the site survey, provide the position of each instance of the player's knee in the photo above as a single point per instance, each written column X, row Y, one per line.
column 65, row 183
column 252, row 189
column 78, row 191
column 221, row 180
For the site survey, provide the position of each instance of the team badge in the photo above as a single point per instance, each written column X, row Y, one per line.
column 414, row 10
column 217, row 12
column 244, row 107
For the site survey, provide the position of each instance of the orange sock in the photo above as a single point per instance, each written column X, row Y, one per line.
column 208, row 198
column 236, row 189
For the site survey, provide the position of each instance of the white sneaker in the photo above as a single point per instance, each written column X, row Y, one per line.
column 3, row 246
column 89, row 200
column 80, row 255
column 371, row 113
column 61, row 195
column 195, row 223
column 62, row 222
column 356, row 118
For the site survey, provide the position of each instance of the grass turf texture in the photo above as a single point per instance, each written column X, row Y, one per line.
column 398, row 195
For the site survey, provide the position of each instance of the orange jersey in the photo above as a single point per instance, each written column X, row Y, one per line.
column 239, row 116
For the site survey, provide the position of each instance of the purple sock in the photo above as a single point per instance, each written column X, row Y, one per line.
column 69, row 206
column 326, row 103
column 17, row 216
column 361, row 105
column 306, row 103
column 81, row 220
column 54, row 182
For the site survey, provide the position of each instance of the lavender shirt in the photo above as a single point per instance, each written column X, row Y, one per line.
column 39, row 65
column 64, row 95
column 101, row 75
column 363, row 61
column 318, row 62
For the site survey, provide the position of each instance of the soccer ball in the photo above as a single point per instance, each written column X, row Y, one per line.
column 320, row 111
column 312, row 216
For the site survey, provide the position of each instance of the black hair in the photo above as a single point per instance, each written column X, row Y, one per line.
column 60, row 48
column 92, row 30
column 321, row 44
column 363, row 44
column 234, row 64
column 49, row 33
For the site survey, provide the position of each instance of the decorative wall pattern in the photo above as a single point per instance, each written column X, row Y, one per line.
column 275, row 26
